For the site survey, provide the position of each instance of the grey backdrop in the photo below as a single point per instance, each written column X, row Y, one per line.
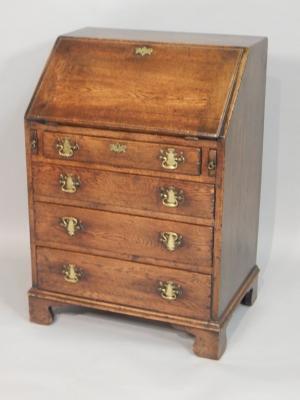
column 92, row 355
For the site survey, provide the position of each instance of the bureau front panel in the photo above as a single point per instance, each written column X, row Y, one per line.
column 96, row 189
column 136, row 238
column 120, row 282
column 178, row 88
column 123, row 153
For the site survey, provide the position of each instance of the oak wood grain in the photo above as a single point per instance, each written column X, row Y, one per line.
column 242, row 178
column 121, row 282
column 136, row 155
column 121, row 235
column 163, row 141
column 209, row 343
column 204, row 98
column 103, row 189
column 180, row 89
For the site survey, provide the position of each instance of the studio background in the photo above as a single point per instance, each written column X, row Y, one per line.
column 97, row 355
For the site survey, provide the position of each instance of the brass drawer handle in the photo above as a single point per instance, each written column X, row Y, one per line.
column 171, row 196
column 169, row 290
column 171, row 240
column 66, row 148
column 71, row 224
column 170, row 159
column 72, row 273
column 69, row 183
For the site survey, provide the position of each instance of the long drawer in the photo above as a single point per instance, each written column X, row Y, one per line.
column 136, row 238
column 123, row 153
column 96, row 188
column 120, row 282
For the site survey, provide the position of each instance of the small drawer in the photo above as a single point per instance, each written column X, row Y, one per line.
column 149, row 240
column 99, row 189
column 138, row 285
column 123, row 153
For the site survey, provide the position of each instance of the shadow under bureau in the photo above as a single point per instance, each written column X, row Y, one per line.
column 144, row 164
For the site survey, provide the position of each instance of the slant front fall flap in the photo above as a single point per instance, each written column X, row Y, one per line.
column 149, row 87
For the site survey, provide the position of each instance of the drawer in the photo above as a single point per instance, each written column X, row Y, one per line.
column 123, row 153
column 136, row 238
column 96, row 189
column 120, row 282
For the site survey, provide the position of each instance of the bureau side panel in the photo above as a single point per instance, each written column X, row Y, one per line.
column 242, row 177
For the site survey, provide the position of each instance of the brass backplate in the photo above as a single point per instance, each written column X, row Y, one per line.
column 118, row 148
column 69, row 183
column 171, row 240
column 71, row 273
column 169, row 290
column 171, row 196
column 66, row 148
column 71, row 224
column 143, row 51
column 170, row 158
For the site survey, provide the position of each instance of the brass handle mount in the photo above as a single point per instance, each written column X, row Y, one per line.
column 170, row 158
column 171, row 240
column 66, row 148
column 169, row 290
column 72, row 273
column 171, row 196
column 71, row 225
column 69, row 183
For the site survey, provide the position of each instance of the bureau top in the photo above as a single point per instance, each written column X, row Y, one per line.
column 158, row 82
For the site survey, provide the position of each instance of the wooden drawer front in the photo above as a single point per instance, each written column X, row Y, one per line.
column 122, row 282
column 96, row 188
column 124, row 236
column 123, row 153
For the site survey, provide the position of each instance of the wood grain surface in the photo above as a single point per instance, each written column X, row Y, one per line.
column 242, row 179
column 106, row 189
column 203, row 98
column 179, row 89
column 125, row 236
column 137, row 155
column 126, row 283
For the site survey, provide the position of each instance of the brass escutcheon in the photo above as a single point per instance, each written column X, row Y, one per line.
column 171, row 240
column 171, row 196
column 71, row 224
column 212, row 162
column 170, row 159
column 143, row 51
column 211, row 166
column 169, row 290
column 34, row 141
column 71, row 273
column 118, row 147
column 69, row 183
column 66, row 148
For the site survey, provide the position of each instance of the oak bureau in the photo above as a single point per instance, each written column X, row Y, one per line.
column 144, row 165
